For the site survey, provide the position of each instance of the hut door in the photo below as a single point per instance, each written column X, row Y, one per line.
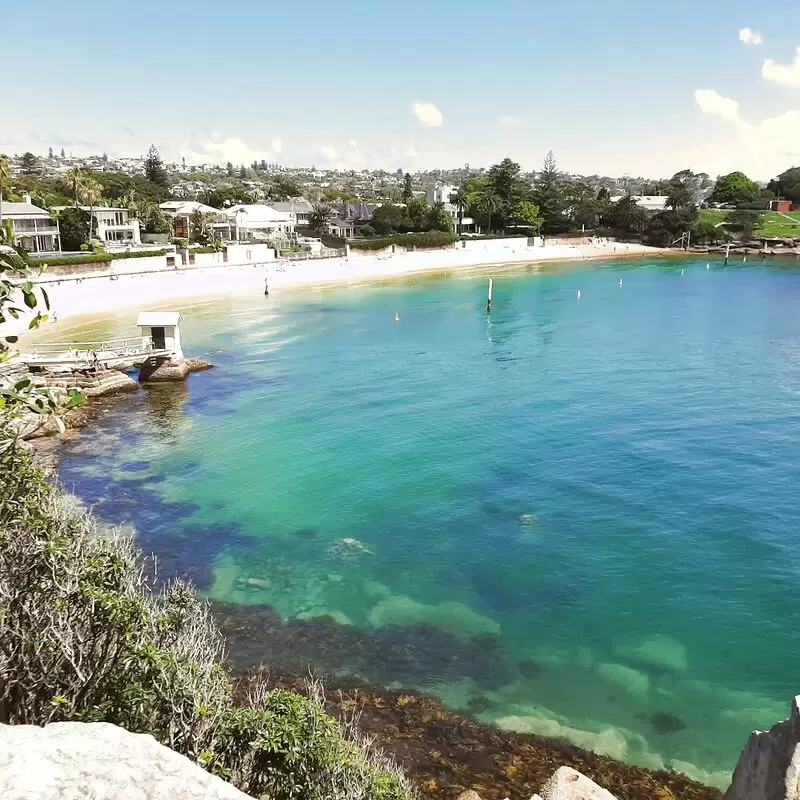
column 159, row 341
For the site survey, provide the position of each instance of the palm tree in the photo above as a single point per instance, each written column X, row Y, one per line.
column 91, row 191
column 460, row 199
column 489, row 203
column 5, row 175
column 76, row 178
column 319, row 219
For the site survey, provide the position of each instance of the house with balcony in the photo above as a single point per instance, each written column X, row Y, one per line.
column 34, row 229
column 443, row 195
column 301, row 209
column 111, row 225
column 180, row 212
column 247, row 223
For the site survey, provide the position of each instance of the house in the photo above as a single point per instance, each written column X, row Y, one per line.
column 111, row 225
column 254, row 222
column 442, row 194
column 343, row 228
column 180, row 211
column 34, row 229
column 781, row 206
column 360, row 213
column 649, row 202
column 301, row 209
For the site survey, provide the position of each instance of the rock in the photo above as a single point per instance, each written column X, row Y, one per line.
column 156, row 370
column 569, row 784
column 469, row 795
column 769, row 767
column 198, row 365
column 77, row 760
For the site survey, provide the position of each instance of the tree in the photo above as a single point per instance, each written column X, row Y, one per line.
column 735, row 188
column 242, row 172
column 5, row 177
column 75, row 179
column 63, row 154
column 198, row 227
column 527, row 213
column 227, row 196
column 408, row 192
column 438, row 218
column 666, row 227
column 460, row 199
column 581, row 205
column 489, row 203
column 74, row 226
column 744, row 222
column 390, row 218
column 229, row 169
column 50, row 152
column 418, row 210
column 787, row 185
column 319, row 219
column 685, row 189
column 625, row 216
column 29, row 164
column 90, row 195
column 549, row 195
column 154, row 168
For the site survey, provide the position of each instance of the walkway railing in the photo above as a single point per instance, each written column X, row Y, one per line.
column 84, row 355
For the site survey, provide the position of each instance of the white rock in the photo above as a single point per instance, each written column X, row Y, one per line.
column 76, row 760
column 769, row 767
column 569, row 784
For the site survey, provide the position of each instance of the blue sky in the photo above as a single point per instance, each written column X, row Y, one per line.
column 611, row 86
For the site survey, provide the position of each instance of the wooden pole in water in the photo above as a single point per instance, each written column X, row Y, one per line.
column 764, row 251
column 727, row 253
column 489, row 299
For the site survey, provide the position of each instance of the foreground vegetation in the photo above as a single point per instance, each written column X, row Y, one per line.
column 86, row 634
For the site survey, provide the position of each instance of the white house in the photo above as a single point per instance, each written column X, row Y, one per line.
column 442, row 194
column 252, row 222
column 112, row 225
column 163, row 328
column 34, row 229
column 301, row 208
column 649, row 202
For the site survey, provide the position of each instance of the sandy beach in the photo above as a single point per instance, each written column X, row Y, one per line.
column 95, row 293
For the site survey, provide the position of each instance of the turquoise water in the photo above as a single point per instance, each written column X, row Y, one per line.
column 586, row 510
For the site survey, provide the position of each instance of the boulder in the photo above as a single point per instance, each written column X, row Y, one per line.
column 769, row 767
column 77, row 760
column 469, row 795
column 569, row 784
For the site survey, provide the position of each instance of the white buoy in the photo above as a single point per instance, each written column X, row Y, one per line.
column 396, row 317
column 708, row 265
column 621, row 283
column 579, row 294
column 744, row 259
column 681, row 273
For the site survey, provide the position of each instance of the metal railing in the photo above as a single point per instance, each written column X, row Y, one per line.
column 308, row 256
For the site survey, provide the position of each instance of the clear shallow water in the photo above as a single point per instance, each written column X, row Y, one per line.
column 602, row 494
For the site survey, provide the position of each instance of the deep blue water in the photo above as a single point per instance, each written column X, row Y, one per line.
column 604, row 490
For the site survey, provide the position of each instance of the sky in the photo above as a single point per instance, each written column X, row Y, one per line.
column 611, row 86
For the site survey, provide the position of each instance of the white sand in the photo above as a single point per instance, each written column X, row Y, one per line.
column 101, row 293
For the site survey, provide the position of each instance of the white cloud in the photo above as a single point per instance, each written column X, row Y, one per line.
column 218, row 149
column 748, row 36
column 714, row 103
column 783, row 74
column 428, row 115
column 411, row 151
column 344, row 158
column 762, row 148
column 509, row 121
column 276, row 145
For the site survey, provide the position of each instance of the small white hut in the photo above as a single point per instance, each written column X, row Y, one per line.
column 164, row 329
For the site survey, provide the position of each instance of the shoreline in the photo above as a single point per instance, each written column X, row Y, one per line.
column 93, row 294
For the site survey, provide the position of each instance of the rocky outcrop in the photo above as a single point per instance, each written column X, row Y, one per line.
column 96, row 384
column 769, row 767
column 569, row 784
column 564, row 784
column 75, row 761
column 163, row 370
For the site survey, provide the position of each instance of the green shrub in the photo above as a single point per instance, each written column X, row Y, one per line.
column 86, row 635
column 425, row 240
column 96, row 258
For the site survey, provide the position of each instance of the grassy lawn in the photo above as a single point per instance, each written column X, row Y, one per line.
column 774, row 224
